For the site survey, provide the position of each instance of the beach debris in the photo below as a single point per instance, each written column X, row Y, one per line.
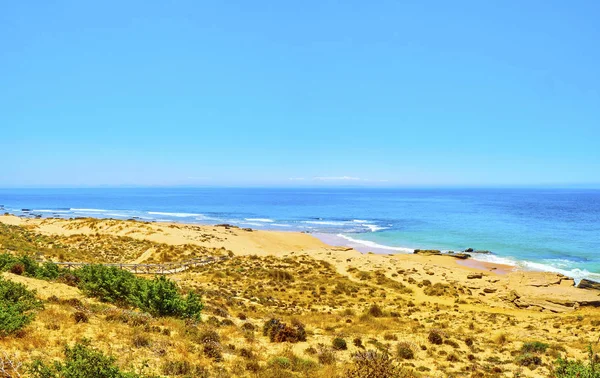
column 489, row 290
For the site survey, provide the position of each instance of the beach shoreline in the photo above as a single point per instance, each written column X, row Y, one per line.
column 490, row 283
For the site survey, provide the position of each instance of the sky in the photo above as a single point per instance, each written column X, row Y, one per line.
column 281, row 93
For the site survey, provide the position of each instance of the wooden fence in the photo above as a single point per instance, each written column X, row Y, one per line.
column 166, row 268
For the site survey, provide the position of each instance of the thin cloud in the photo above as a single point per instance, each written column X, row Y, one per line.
column 296, row 178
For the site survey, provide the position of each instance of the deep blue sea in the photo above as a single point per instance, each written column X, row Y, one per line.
column 539, row 229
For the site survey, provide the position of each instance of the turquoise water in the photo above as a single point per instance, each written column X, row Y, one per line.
column 541, row 229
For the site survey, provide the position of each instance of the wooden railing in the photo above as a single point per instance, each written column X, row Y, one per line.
column 165, row 268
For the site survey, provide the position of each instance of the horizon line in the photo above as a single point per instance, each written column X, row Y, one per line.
column 262, row 186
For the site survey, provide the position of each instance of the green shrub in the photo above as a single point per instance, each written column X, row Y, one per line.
column 529, row 359
column 25, row 265
column 108, row 284
column 17, row 305
column 534, row 347
column 159, row 296
column 405, row 351
column 339, row 344
column 566, row 368
column 81, row 361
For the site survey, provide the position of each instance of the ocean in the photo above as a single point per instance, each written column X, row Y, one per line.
column 534, row 229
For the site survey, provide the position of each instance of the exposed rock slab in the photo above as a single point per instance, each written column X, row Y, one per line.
column 588, row 284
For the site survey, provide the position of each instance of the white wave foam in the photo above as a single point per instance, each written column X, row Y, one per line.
column 494, row 259
column 264, row 220
column 375, row 228
column 90, row 210
column 280, row 225
column 360, row 221
column 118, row 215
column 576, row 274
column 178, row 215
column 52, row 211
column 327, row 223
column 371, row 244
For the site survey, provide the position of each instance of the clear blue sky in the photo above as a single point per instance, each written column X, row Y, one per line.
column 299, row 93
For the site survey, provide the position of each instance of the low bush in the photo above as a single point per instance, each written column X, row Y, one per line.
column 80, row 317
column 17, row 306
column 159, row 296
column 325, row 355
column 405, row 351
column 339, row 344
column 277, row 331
column 27, row 266
column 529, row 359
column 534, row 347
column 566, row 368
column 358, row 343
column 81, row 361
column 213, row 350
column 375, row 311
column 281, row 275
column 176, row 368
column 375, row 364
column 435, row 337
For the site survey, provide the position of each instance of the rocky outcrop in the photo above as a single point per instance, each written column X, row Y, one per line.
column 462, row 256
column 588, row 284
column 473, row 276
column 226, row 225
column 427, row 252
column 548, row 292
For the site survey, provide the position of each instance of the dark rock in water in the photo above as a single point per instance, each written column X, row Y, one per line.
column 469, row 250
column 427, row 252
column 483, row 252
column 26, row 210
column 588, row 284
column 247, row 229
column 462, row 256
